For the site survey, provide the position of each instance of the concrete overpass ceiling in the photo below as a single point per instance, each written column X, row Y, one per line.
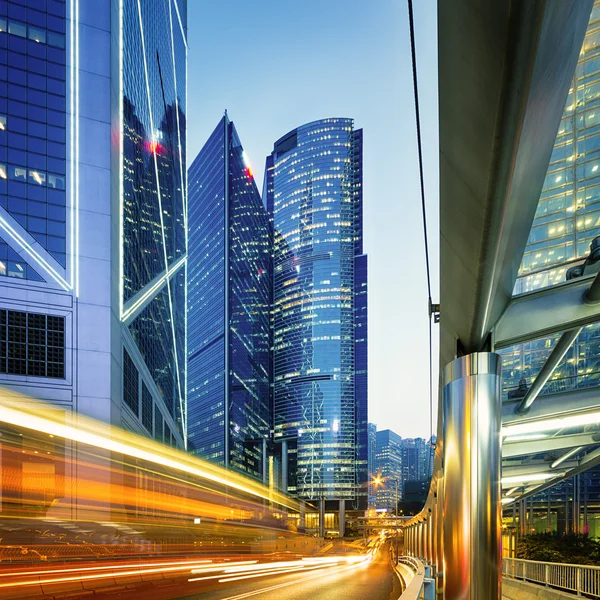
column 505, row 69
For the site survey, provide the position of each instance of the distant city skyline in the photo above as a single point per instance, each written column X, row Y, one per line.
column 287, row 64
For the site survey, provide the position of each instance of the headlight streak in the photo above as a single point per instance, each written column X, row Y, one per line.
column 22, row 411
column 95, row 576
column 103, row 568
column 330, row 572
column 235, row 573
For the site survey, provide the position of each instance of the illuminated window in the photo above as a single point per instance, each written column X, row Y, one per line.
column 19, row 29
column 18, row 173
column 37, row 35
column 56, row 181
column 37, row 177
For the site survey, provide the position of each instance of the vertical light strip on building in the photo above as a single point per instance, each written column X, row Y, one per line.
column 183, row 201
column 121, row 166
column 162, row 226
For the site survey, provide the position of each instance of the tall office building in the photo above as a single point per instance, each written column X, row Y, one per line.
column 388, row 464
column 93, row 210
column 566, row 221
column 372, row 464
column 314, row 197
column 229, row 302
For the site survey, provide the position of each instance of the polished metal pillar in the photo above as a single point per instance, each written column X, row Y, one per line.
column 420, row 540
column 342, row 518
column 472, row 516
column 284, row 466
column 322, row 517
column 265, row 462
column 430, row 527
column 439, row 539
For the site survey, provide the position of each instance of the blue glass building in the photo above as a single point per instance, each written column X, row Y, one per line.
column 228, row 314
column 93, row 208
column 314, row 196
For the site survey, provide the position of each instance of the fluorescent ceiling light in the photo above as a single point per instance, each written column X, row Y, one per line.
column 531, row 477
column 526, row 438
column 507, row 500
column 550, row 424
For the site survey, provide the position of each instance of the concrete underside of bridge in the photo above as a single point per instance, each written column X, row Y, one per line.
column 504, row 74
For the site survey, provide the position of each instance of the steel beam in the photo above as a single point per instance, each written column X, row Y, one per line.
column 588, row 461
column 532, row 468
column 544, row 445
column 553, row 405
column 558, row 353
column 545, row 312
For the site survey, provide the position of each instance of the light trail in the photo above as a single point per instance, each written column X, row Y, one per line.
column 21, row 411
column 98, row 576
column 80, row 569
column 313, row 576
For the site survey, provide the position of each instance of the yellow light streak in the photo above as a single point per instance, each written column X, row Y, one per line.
column 17, row 409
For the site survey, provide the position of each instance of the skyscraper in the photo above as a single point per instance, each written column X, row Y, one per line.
column 388, row 464
column 229, row 302
column 92, row 208
column 314, row 197
column 372, row 463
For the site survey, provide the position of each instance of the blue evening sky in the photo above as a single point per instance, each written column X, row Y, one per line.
column 276, row 64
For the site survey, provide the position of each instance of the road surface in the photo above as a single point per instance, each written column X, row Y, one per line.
column 375, row 581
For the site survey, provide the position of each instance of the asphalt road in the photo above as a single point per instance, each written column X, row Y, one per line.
column 375, row 581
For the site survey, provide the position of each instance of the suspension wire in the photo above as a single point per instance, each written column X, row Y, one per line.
column 423, row 208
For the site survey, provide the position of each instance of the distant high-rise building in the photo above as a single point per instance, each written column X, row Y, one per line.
column 314, row 196
column 372, row 458
column 228, row 308
column 388, row 460
column 417, row 462
column 92, row 208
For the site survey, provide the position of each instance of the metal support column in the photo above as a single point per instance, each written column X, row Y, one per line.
column 265, row 462
column 439, row 539
column 472, row 512
column 342, row 519
column 302, row 516
column 322, row 517
column 284, row 466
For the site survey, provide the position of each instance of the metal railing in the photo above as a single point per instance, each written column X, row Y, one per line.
column 579, row 579
column 421, row 586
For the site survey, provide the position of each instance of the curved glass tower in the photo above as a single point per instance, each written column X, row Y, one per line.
column 314, row 196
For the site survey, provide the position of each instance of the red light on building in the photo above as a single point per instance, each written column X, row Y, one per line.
column 154, row 147
column 249, row 172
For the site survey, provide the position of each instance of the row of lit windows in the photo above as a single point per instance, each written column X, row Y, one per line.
column 36, row 34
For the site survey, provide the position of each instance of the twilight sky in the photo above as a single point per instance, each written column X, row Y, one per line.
column 276, row 64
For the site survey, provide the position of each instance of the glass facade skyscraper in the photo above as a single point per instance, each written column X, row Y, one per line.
column 229, row 292
column 93, row 208
column 566, row 221
column 388, row 464
column 314, row 196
